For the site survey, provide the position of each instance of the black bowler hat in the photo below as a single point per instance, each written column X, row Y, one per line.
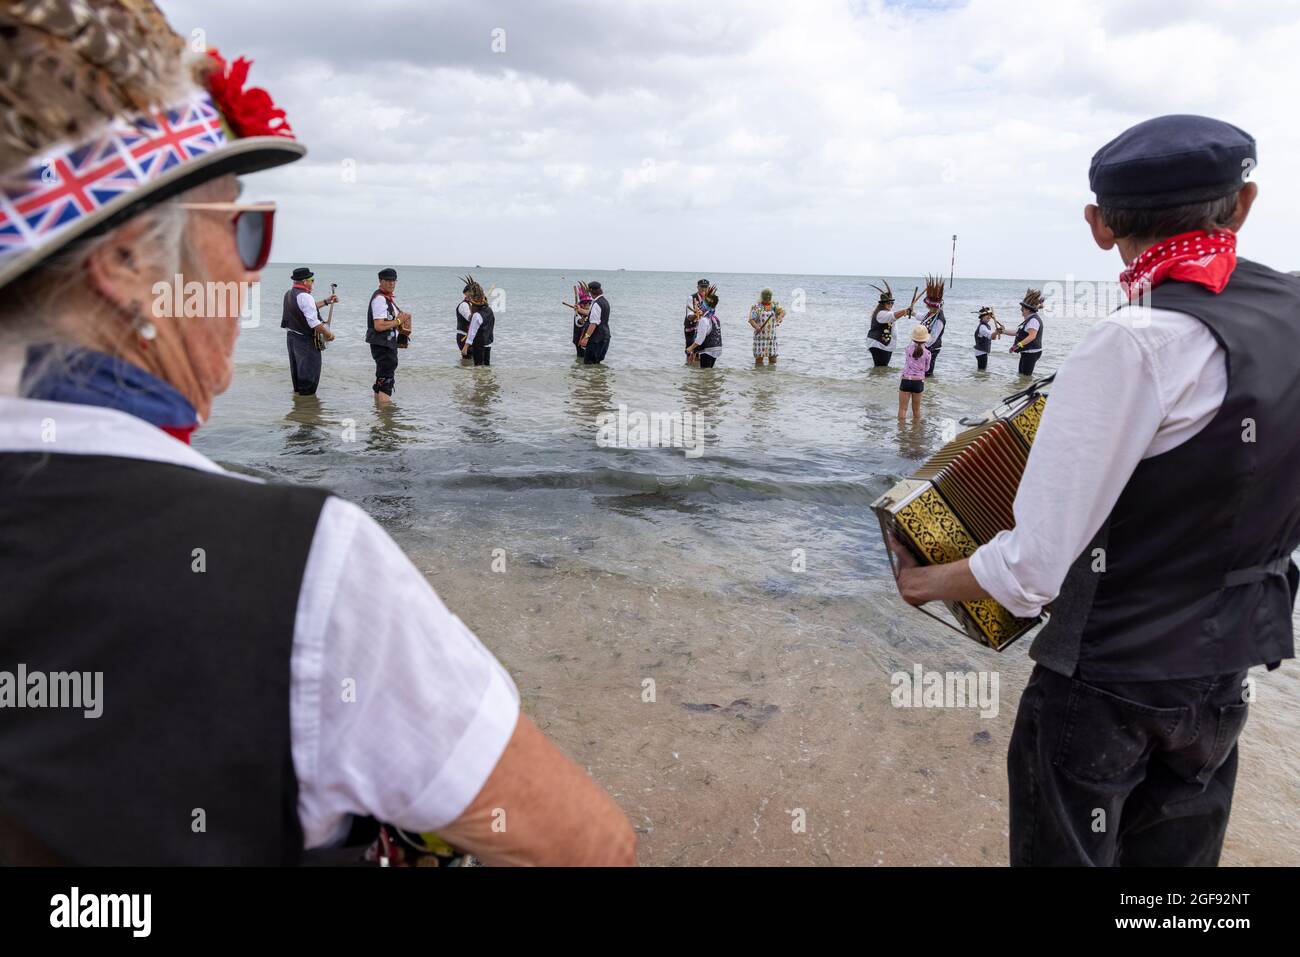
column 301, row 274
column 1172, row 161
column 389, row 273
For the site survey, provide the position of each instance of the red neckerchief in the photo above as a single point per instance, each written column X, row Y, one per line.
column 302, row 286
column 179, row 433
column 1204, row 257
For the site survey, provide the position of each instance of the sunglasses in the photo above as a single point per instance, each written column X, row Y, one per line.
column 253, row 224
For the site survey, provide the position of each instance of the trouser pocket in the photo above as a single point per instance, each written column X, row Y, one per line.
column 1106, row 739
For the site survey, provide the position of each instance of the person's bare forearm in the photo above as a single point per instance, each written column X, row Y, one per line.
column 540, row 808
column 951, row 582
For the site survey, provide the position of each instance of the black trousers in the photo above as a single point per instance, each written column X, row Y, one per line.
column 880, row 357
column 934, row 361
column 304, row 363
column 460, row 339
column 385, row 369
column 1131, row 774
column 1027, row 362
column 481, row 354
column 594, row 354
column 981, row 360
column 706, row 362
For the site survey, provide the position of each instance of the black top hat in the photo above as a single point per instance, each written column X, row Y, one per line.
column 389, row 273
column 301, row 274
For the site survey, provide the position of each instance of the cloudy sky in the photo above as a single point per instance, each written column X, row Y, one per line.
column 818, row 136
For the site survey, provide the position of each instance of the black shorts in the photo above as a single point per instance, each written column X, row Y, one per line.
column 911, row 385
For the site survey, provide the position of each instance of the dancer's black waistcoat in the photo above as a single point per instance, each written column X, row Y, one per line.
column 601, row 332
column 1022, row 332
column 930, row 322
column 1197, row 575
column 484, row 335
column 389, row 336
column 291, row 316
column 190, row 760
column 881, row 332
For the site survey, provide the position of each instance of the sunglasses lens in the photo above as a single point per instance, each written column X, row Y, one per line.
column 252, row 229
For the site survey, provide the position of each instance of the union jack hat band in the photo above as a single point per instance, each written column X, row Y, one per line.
column 76, row 192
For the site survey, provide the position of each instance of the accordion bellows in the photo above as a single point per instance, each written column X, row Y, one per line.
column 962, row 497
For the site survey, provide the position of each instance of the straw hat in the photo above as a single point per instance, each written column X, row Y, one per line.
column 104, row 112
column 920, row 334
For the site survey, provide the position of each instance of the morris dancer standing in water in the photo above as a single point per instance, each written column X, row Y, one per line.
column 707, row 347
column 764, row 316
column 1158, row 529
column 880, row 337
column 692, row 320
column 482, row 325
column 301, row 320
column 985, row 333
column 595, row 338
column 934, row 320
column 581, row 307
column 1029, row 337
column 383, row 322
column 463, row 314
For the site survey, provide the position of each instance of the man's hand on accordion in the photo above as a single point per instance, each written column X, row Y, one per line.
column 921, row 583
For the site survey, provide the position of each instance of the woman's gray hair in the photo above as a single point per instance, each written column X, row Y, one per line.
column 48, row 306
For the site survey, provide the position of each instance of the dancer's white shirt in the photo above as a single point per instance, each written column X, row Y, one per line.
column 1142, row 381
column 430, row 710
column 308, row 306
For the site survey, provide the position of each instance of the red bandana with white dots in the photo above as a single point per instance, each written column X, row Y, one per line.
column 1203, row 257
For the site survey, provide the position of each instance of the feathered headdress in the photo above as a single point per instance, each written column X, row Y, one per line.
column 710, row 297
column 933, row 290
column 582, row 293
column 474, row 291
column 1033, row 300
column 886, row 294
column 985, row 311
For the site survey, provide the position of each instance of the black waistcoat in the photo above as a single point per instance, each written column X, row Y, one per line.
column 195, row 665
column 486, row 328
column 882, row 332
column 462, row 324
column 389, row 336
column 983, row 343
column 1197, row 578
column 713, row 340
column 291, row 316
column 601, row 332
column 1038, row 339
column 937, row 341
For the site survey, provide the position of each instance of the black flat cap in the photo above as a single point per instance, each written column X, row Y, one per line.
column 301, row 273
column 594, row 286
column 1171, row 161
column 389, row 273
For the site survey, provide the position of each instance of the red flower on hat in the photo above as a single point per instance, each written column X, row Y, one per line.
column 249, row 112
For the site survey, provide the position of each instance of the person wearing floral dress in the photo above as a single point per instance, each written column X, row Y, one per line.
column 764, row 316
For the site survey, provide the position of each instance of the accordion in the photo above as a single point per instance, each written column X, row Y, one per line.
column 962, row 497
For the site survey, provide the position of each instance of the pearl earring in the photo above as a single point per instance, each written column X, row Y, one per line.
column 144, row 329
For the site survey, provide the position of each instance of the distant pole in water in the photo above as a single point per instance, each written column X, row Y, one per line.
column 952, row 265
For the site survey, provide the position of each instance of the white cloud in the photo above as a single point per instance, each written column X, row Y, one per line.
column 824, row 135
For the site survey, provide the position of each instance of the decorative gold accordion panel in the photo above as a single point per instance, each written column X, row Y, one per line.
column 961, row 497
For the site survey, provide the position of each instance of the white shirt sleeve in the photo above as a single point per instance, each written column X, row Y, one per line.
column 396, row 709
column 463, row 310
column 596, row 315
column 1130, row 390
column 473, row 328
column 936, row 331
column 379, row 308
column 702, row 330
column 308, row 306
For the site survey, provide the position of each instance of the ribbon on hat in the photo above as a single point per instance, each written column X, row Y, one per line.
column 1204, row 257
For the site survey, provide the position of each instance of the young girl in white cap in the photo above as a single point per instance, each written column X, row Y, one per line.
column 915, row 366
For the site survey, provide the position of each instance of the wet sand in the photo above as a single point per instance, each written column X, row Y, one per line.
column 765, row 707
